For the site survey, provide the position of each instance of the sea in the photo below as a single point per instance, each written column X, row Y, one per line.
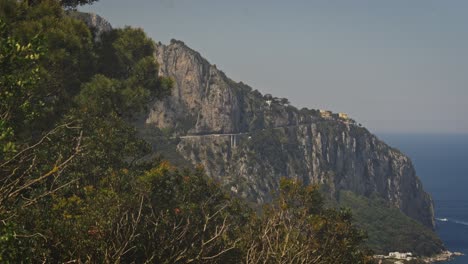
column 441, row 162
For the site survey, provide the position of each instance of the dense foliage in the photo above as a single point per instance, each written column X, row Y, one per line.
column 389, row 229
column 297, row 228
column 74, row 183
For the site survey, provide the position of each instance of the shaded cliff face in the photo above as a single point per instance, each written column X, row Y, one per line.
column 248, row 141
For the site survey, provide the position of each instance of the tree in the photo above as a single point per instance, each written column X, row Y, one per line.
column 297, row 228
column 28, row 166
column 50, row 148
column 284, row 101
column 75, row 3
column 187, row 219
column 64, row 3
column 70, row 59
column 21, row 102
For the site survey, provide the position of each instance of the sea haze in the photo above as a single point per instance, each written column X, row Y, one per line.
column 441, row 162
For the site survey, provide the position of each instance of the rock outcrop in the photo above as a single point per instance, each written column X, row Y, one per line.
column 248, row 141
column 96, row 23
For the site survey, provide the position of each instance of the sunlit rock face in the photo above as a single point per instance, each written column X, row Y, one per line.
column 248, row 141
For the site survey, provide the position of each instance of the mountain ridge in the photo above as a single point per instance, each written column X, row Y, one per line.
column 314, row 148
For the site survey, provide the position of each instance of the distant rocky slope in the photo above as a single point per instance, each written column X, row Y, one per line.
column 248, row 141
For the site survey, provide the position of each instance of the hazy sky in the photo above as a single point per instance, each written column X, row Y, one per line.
column 393, row 65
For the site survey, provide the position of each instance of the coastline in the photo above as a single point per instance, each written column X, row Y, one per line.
column 441, row 257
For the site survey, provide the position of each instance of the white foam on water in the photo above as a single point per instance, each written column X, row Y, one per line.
column 453, row 221
column 460, row 222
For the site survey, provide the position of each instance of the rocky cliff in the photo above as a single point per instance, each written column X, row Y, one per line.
column 248, row 141
column 96, row 23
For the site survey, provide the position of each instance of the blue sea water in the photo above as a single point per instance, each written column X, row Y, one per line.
column 441, row 162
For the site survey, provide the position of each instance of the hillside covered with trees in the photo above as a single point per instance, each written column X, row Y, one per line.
column 74, row 186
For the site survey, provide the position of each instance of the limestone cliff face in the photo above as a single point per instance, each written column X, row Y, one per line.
column 248, row 141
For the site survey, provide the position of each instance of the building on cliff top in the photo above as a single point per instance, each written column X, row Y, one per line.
column 343, row 116
column 325, row 113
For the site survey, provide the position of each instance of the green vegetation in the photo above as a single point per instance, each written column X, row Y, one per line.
column 297, row 228
column 388, row 229
column 76, row 183
column 264, row 143
column 65, row 3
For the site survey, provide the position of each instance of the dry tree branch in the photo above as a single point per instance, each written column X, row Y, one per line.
column 23, row 165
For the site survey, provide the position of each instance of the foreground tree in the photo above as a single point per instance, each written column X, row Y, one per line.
column 29, row 166
column 53, row 139
column 297, row 228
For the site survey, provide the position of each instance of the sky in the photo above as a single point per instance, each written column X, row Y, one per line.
column 396, row 66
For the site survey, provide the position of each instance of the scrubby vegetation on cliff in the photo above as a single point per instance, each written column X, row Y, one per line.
column 74, row 184
column 387, row 228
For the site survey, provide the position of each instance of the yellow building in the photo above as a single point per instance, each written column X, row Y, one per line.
column 343, row 116
column 325, row 113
